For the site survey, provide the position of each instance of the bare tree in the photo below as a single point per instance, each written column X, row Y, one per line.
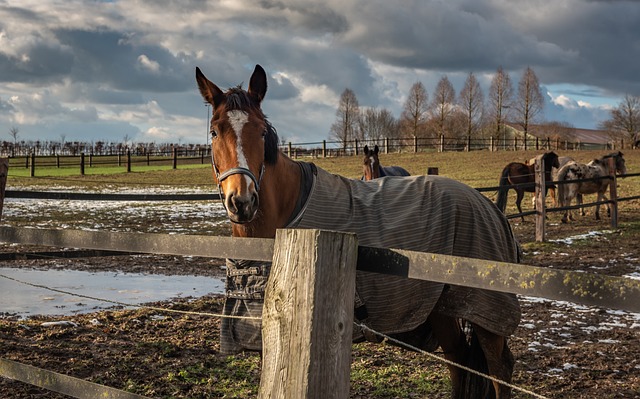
column 344, row 129
column 471, row 102
column 499, row 99
column 377, row 124
column 414, row 113
column 13, row 132
column 443, row 104
column 625, row 119
column 529, row 102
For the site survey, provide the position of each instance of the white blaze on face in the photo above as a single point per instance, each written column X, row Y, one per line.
column 238, row 119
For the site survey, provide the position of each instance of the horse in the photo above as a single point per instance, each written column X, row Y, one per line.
column 594, row 169
column 263, row 190
column 554, row 177
column 372, row 169
column 515, row 174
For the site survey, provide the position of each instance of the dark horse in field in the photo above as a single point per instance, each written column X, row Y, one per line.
column 520, row 177
column 264, row 190
column 372, row 169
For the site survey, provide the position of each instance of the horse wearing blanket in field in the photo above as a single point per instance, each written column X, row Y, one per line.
column 264, row 190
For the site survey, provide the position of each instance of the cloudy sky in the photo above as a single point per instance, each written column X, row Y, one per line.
column 107, row 70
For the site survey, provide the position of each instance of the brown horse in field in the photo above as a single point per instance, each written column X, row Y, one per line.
column 371, row 168
column 264, row 190
column 521, row 177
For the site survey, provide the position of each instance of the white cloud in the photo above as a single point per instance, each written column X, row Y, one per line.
column 149, row 65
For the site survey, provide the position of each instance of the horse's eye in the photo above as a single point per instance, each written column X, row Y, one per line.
column 214, row 132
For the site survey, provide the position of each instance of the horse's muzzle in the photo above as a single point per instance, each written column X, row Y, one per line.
column 242, row 208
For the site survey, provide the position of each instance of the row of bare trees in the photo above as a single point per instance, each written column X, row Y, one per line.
column 75, row 148
column 470, row 113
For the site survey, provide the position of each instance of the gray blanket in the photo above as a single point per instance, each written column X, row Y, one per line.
column 419, row 213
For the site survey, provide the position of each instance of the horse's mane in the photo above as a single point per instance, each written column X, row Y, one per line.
column 239, row 100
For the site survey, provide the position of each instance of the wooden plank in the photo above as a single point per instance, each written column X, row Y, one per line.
column 110, row 197
column 61, row 383
column 307, row 321
column 168, row 244
column 583, row 288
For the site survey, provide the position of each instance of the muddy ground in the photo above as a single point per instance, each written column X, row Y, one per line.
column 562, row 350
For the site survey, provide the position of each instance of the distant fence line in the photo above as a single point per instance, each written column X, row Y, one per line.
column 327, row 148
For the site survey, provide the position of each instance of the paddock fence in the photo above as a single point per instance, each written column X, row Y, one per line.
column 327, row 257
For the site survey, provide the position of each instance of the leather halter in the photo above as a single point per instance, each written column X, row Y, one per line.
column 234, row 171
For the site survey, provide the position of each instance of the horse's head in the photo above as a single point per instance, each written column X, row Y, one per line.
column 242, row 142
column 621, row 168
column 551, row 160
column 371, row 163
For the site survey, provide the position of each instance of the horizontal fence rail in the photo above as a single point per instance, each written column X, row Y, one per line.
column 109, row 197
column 61, row 383
column 583, row 288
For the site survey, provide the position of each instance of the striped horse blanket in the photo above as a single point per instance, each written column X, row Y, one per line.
column 418, row 213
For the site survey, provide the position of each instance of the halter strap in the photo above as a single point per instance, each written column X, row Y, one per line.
column 242, row 171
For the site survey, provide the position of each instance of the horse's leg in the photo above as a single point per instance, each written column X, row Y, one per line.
column 519, row 197
column 453, row 343
column 579, row 202
column 500, row 360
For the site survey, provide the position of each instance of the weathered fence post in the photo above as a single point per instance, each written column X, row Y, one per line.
column 386, row 145
column 4, row 172
column 491, row 144
column 307, row 321
column 175, row 158
column 128, row 160
column 432, row 170
column 415, row 143
column 82, row 163
column 540, row 191
column 613, row 192
column 32, row 171
column 441, row 143
column 289, row 147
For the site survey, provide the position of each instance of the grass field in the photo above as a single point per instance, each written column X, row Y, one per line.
column 477, row 169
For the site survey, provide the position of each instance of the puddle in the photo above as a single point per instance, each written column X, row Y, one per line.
column 24, row 300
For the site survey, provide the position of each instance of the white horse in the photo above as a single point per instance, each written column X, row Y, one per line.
column 594, row 169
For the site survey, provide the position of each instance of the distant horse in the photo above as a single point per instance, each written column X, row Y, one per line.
column 264, row 190
column 594, row 169
column 518, row 174
column 554, row 176
column 372, row 169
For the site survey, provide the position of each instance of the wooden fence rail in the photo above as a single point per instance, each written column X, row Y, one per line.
column 583, row 288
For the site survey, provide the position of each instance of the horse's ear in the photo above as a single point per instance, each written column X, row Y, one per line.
column 258, row 84
column 209, row 91
column 366, row 150
column 376, row 149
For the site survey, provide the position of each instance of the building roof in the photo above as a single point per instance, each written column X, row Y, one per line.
column 581, row 135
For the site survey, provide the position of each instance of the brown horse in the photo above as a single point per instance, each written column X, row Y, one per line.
column 521, row 177
column 264, row 190
column 594, row 169
column 372, row 169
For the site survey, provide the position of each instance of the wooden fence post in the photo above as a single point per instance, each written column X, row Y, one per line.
column 441, row 143
column 82, row 163
column 4, row 172
column 289, row 148
column 613, row 192
column 128, row 160
column 32, row 171
column 540, row 191
column 415, row 143
column 175, row 158
column 307, row 321
column 432, row 170
column 386, row 145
